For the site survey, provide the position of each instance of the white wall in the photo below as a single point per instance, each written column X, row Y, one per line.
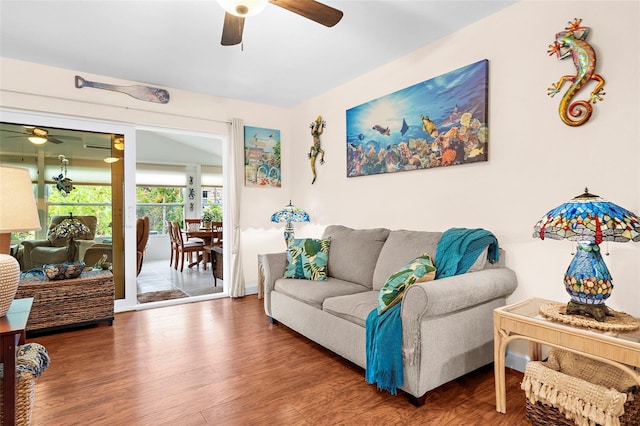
column 535, row 161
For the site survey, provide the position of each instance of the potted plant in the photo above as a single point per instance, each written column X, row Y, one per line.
column 207, row 218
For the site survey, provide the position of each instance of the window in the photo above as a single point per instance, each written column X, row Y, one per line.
column 160, row 204
column 83, row 200
column 212, row 201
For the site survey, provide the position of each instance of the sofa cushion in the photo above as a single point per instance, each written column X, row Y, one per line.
column 419, row 270
column 307, row 258
column 314, row 293
column 354, row 253
column 353, row 307
column 401, row 247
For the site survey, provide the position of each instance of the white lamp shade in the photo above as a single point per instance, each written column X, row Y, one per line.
column 18, row 211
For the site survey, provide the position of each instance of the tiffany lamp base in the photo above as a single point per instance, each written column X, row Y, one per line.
column 588, row 282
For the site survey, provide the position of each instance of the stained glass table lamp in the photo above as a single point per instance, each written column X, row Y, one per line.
column 70, row 228
column 288, row 214
column 588, row 220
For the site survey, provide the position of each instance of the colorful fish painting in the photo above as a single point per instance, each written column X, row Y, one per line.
column 438, row 122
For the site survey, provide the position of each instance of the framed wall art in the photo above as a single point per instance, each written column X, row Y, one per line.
column 261, row 157
column 439, row 122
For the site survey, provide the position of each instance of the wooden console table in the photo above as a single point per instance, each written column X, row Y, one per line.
column 59, row 304
column 12, row 334
column 523, row 321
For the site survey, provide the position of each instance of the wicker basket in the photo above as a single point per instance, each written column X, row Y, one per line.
column 25, row 394
column 540, row 414
column 568, row 386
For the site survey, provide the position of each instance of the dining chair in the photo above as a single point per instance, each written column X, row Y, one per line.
column 173, row 244
column 183, row 247
column 193, row 225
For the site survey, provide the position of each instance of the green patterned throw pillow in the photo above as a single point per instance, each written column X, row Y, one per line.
column 308, row 259
column 418, row 270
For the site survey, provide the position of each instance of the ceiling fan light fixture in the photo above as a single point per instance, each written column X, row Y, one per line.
column 243, row 8
column 37, row 140
column 111, row 160
column 118, row 143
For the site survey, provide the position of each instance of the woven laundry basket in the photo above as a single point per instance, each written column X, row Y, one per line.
column 32, row 360
column 569, row 389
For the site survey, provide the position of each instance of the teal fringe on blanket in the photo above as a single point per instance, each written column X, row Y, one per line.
column 384, row 349
column 459, row 248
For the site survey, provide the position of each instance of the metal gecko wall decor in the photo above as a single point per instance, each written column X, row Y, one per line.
column 144, row 93
column 317, row 127
column 571, row 43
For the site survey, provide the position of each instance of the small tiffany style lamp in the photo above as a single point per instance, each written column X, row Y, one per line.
column 588, row 220
column 70, row 228
column 288, row 214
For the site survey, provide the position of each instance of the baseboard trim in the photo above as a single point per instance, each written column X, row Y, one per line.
column 516, row 361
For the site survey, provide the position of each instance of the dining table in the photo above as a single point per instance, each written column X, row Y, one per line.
column 212, row 237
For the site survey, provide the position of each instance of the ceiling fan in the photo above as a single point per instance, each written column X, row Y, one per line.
column 38, row 135
column 237, row 10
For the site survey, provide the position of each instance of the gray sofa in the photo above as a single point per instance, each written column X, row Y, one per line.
column 447, row 324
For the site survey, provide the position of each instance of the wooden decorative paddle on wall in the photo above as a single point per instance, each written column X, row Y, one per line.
column 144, row 93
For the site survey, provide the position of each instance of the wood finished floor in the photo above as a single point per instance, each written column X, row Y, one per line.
column 220, row 362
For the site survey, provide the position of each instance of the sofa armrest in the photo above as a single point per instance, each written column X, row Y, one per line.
column 451, row 294
column 274, row 265
column 447, row 325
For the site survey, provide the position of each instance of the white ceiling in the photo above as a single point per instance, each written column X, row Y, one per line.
column 285, row 59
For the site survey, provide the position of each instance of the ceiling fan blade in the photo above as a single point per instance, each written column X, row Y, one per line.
column 232, row 29
column 311, row 9
column 66, row 137
column 53, row 140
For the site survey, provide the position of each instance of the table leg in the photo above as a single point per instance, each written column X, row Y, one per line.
column 535, row 351
column 499, row 348
column 9, row 347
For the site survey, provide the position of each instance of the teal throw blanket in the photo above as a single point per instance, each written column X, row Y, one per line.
column 459, row 248
column 384, row 349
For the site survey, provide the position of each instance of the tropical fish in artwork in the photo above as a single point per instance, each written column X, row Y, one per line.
column 452, row 118
column 429, row 126
column 405, row 127
column 475, row 152
column 382, row 130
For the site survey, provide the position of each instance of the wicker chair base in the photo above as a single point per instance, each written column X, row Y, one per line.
column 25, row 395
column 540, row 414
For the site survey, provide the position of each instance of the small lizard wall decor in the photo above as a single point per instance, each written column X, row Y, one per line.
column 571, row 43
column 317, row 127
